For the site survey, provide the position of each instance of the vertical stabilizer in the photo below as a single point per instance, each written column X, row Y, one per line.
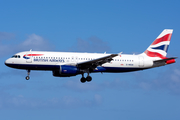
column 160, row 45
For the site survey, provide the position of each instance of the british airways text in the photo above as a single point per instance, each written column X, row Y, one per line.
column 48, row 60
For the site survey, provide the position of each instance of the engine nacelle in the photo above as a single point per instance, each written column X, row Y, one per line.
column 66, row 71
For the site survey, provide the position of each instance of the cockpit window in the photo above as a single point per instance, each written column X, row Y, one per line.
column 15, row 56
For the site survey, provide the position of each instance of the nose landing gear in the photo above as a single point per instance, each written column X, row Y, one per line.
column 27, row 77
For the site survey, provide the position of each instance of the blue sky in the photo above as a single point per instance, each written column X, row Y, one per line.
column 88, row 26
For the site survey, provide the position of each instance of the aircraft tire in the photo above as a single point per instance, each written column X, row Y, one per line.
column 27, row 77
column 83, row 79
column 88, row 78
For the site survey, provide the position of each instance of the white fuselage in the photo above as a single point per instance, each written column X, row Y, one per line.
column 49, row 60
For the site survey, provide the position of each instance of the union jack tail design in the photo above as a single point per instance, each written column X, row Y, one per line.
column 160, row 45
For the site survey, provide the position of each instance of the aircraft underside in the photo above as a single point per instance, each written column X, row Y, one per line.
column 66, row 71
column 56, row 67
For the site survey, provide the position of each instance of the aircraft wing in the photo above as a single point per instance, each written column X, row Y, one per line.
column 92, row 64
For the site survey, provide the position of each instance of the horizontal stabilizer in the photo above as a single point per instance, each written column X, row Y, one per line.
column 164, row 61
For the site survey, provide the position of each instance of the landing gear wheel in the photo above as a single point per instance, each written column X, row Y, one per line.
column 27, row 77
column 28, row 73
column 83, row 79
column 88, row 78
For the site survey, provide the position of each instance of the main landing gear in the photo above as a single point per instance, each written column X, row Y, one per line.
column 27, row 77
column 88, row 78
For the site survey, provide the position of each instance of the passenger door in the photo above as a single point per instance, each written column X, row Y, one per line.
column 141, row 61
column 29, row 57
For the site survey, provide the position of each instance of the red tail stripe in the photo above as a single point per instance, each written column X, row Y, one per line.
column 164, row 38
column 154, row 54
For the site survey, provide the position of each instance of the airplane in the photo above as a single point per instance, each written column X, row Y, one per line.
column 67, row 64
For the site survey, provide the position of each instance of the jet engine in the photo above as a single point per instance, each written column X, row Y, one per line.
column 66, row 71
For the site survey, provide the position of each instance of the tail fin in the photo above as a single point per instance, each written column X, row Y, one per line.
column 160, row 45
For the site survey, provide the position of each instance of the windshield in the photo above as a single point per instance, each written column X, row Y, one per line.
column 15, row 56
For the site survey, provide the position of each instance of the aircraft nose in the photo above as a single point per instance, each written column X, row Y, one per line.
column 7, row 62
column 10, row 63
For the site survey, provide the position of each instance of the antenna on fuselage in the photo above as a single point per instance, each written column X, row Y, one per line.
column 120, row 53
